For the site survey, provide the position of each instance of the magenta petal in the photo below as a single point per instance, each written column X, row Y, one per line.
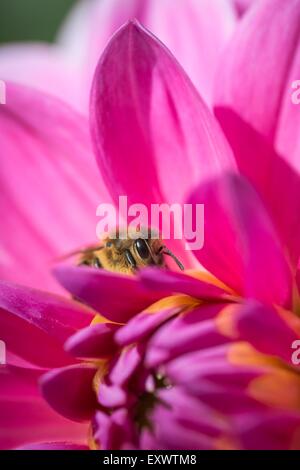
column 253, row 52
column 141, row 95
column 172, row 282
column 242, row 5
column 56, row 315
column 274, row 431
column 142, row 325
column 183, row 422
column 126, row 364
column 185, row 333
column 255, row 322
column 26, row 417
column 189, row 29
column 30, row 343
column 298, row 276
column 116, row 296
column 18, row 383
column 53, row 446
column 70, row 391
column 241, row 246
column 15, row 360
column 261, row 112
column 111, row 396
column 193, row 29
column 95, row 341
column 39, row 152
column 35, row 324
column 224, row 399
column 114, row 431
column 191, row 412
column 196, row 367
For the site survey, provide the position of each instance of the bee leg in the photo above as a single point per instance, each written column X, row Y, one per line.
column 130, row 259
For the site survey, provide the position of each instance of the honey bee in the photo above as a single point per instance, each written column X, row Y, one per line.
column 126, row 255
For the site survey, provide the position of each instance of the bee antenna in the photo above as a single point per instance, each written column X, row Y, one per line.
column 168, row 252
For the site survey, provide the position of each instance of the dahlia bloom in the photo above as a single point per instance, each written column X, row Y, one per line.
column 196, row 371
column 186, row 373
column 189, row 28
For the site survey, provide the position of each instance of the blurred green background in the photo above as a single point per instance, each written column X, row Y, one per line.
column 25, row 20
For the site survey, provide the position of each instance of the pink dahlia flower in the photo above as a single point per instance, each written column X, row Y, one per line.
column 213, row 344
column 190, row 28
column 186, row 373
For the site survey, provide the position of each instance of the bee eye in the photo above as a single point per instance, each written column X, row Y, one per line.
column 108, row 244
column 142, row 248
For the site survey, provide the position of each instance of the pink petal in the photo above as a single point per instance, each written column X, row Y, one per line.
column 184, row 411
column 35, row 324
column 189, row 29
column 172, row 282
column 193, row 29
column 188, row 332
column 69, row 391
column 241, row 246
column 161, row 123
column 254, row 323
column 15, row 360
column 260, row 112
column 18, row 383
column 142, row 325
column 26, row 417
column 196, row 367
column 298, row 276
column 125, row 366
column 273, row 431
column 112, row 396
column 242, row 5
column 53, row 446
column 141, row 95
column 113, row 431
column 40, row 153
column 223, row 399
column 86, row 31
column 44, row 67
column 253, row 53
column 96, row 341
column 183, row 422
column 116, row 296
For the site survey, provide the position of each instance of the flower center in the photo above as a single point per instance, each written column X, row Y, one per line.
column 148, row 400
